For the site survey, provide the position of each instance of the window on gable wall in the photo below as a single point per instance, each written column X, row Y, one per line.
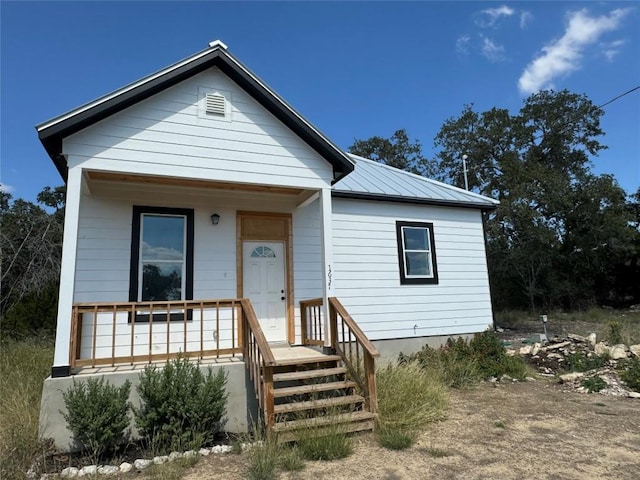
column 416, row 253
column 161, row 257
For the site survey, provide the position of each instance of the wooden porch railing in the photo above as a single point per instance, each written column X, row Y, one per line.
column 259, row 360
column 124, row 333
column 348, row 341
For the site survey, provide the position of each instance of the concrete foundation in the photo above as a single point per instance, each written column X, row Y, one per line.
column 389, row 349
column 242, row 407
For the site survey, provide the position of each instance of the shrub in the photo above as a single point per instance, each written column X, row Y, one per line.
column 263, row 461
column 631, row 375
column 333, row 444
column 615, row 332
column 290, row 459
column 580, row 362
column 181, row 407
column 97, row 414
column 594, row 384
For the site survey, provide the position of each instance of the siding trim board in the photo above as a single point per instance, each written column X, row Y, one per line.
column 52, row 132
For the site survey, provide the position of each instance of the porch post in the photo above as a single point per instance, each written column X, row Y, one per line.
column 61, row 366
column 327, row 259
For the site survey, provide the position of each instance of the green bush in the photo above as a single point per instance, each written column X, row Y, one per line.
column 594, row 384
column 580, row 362
column 97, row 414
column 614, row 332
column 461, row 364
column 631, row 375
column 181, row 407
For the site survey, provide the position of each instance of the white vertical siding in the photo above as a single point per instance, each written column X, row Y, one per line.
column 169, row 134
column 368, row 279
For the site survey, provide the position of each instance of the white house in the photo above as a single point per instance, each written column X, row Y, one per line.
column 206, row 216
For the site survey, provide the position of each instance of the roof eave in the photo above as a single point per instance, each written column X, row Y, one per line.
column 412, row 200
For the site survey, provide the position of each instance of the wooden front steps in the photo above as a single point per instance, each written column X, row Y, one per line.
column 315, row 395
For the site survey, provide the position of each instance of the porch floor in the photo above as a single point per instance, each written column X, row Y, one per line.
column 281, row 352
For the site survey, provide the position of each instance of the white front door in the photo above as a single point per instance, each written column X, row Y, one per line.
column 264, row 283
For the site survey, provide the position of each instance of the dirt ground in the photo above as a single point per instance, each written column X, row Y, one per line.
column 520, row 431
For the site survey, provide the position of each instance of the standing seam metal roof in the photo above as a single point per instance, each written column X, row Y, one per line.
column 375, row 180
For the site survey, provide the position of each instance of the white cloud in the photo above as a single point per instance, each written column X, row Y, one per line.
column 492, row 51
column 561, row 57
column 611, row 49
column 462, row 44
column 525, row 18
column 489, row 17
column 6, row 188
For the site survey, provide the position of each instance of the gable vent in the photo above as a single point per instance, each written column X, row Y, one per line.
column 215, row 104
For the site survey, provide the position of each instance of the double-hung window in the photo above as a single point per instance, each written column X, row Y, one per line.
column 161, row 255
column 416, row 253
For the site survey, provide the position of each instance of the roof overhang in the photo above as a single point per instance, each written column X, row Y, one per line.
column 52, row 132
column 379, row 197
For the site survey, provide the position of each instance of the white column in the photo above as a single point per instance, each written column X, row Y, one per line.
column 326, row 257
column 67, row 271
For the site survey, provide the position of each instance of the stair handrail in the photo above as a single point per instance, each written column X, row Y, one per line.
column 259, row 360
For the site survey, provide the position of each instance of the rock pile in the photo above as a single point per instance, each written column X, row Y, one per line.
column 575, row 359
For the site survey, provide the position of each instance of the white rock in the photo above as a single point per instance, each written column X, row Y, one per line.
column 570, row 377
column 633, row 395
column 175, row 455
column 88, row 470
column 526, row 350
column 204, row 452
column 556, row 346
column 600, row 348
column 108, row 470
column 69, row 472
column 142, row 463
column 216, row 449
column 530, row 379
column 160, row 460
column 125, row 467
column 591, row 338
column 226, row 448
column 617, row 352
column 535, row 349
column 189, row 453
column 635, row 350
column 510, row 352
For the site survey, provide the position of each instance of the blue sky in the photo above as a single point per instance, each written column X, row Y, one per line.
column 353, row 69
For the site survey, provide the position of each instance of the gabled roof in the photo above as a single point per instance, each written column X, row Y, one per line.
column 374, row 181
column 52, row 132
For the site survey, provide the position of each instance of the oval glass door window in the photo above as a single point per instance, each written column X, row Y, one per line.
column 263, row 251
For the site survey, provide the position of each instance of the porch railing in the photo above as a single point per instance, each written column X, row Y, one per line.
column 259, row 360
column 124, row 333
column 346, row 339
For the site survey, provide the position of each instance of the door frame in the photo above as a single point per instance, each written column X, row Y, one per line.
column 251, row 226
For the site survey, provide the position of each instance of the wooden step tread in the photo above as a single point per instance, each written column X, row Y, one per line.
column 302, row 374
column 315, row 387
column 314, row 404
column 304, row 361
column 294, row 435
column 352, row 417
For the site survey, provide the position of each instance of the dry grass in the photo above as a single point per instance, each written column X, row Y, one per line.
column 23, row 367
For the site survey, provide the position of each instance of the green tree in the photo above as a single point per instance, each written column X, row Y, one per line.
column 559, row 228
column 31, row 246
column 396, row 151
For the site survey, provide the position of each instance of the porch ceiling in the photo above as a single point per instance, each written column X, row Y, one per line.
column 123, row 178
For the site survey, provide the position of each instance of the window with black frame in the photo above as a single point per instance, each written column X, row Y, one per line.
column 161, row 258
column 416, row 253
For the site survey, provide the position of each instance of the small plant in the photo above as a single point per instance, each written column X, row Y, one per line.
column 182, row 409
column 395, row 439
column 580, row 362
column 499, row 424
column 631, row 375
column 97, row 414
column 332, row 446
column 615, row 332
column 171, row 471
column 290, row 459
column 436, row 452
column 594, row 384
